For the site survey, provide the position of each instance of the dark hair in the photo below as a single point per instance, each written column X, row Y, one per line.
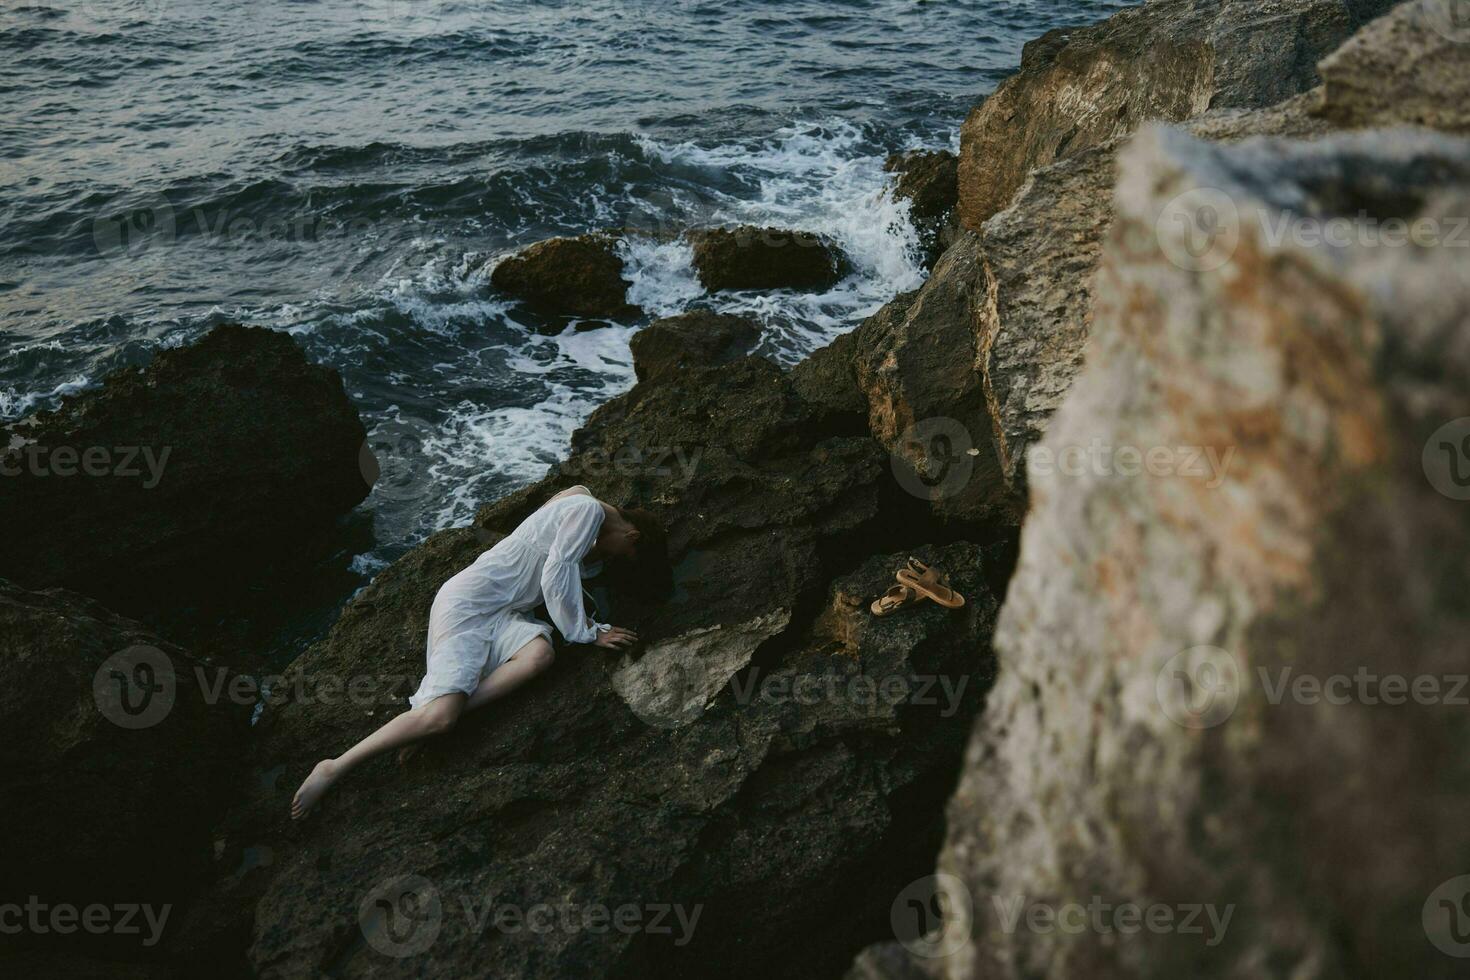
column 649, row 566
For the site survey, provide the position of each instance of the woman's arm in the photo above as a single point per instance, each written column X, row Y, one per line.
column 561, row 576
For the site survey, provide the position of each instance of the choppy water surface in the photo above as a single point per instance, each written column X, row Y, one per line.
column 344, row 170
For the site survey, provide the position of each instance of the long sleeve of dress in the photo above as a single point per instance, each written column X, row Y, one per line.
column 561, row 576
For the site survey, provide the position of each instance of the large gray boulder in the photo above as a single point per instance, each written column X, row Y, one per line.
column 1229, row 669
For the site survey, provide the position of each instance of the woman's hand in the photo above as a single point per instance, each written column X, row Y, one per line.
column 616, row 638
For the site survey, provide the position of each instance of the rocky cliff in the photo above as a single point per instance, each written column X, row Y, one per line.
column 1166, row 60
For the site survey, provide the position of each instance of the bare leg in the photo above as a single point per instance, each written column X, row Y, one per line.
column 529, row 661
column 434, row 718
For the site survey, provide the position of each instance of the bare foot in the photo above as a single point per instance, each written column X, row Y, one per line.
column 407, row 752
column 323, row 775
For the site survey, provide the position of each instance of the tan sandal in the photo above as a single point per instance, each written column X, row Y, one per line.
column 929, row 583
column 896, row 598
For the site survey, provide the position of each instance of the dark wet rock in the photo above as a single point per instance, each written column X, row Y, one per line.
column 929, row 181
column 1165, row 60
column 766, row 258
column 1151, row 614
column 698, row 338
column 214, row 462
column 911, row 370
column 650, row 778
column 109, row 789
column 580, row 276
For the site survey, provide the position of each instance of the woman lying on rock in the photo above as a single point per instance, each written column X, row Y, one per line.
column 483, row 641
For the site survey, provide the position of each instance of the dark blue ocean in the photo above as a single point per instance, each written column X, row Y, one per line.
column 345, row 169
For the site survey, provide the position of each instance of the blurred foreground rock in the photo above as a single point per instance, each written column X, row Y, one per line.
column 1135, row 748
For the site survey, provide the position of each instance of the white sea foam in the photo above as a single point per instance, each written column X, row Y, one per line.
column 14, row 405
column 479, row 449
column 805, row 177
column 825, row 179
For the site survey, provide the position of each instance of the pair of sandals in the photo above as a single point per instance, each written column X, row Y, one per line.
column 917, row 582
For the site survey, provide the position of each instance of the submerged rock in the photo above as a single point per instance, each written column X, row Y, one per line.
column 118, row 752
column 929, row 181
column 1164, row 60
column 766, row 258
column 179, row 479
column 1157, row 633
column 580, row 276
column 699, row 338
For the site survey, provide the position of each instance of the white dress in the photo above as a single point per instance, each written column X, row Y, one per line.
column 483, row 615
